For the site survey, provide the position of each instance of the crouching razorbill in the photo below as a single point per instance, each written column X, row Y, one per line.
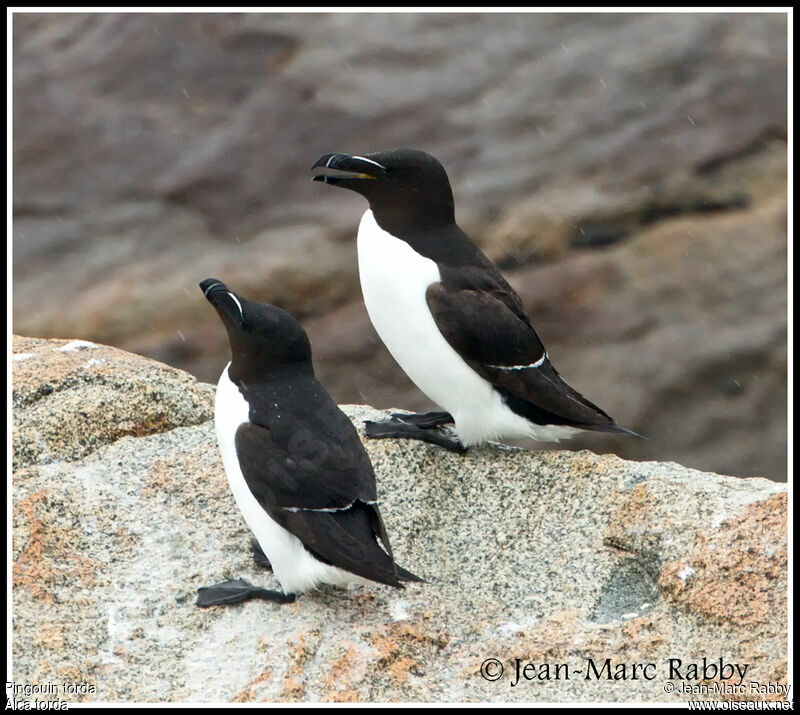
column 297, row 469
column 447, row 316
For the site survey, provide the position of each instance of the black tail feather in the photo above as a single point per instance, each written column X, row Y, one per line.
column 612, row 428
column 405, row 575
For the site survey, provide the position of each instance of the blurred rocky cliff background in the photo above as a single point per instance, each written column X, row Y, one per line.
column 627, row 171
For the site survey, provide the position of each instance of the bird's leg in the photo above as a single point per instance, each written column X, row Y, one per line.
column 237, row 591
column 404, row 430
column 259, row 556
column 426, row 420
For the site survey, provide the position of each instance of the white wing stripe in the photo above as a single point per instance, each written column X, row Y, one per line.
column 538, row 363
column 328, row 509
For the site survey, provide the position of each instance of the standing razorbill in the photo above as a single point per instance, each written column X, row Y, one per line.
column 295, row 464
column 447, row 316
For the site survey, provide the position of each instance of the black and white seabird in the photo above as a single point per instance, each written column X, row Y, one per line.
column 295, row 464
column 448, row 316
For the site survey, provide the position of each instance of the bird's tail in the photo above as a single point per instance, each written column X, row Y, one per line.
column 613, row 428
column 405, row 575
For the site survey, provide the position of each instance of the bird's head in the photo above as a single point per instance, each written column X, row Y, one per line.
column 400, row 185
column 263, row 338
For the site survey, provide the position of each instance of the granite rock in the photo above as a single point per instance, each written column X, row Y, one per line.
column 72, row 396
column 549, row 557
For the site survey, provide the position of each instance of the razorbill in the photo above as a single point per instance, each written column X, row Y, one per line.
column 295, row 464
column 447, row 316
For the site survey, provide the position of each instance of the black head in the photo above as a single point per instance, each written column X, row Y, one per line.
column 403, row 186
column 264, row 339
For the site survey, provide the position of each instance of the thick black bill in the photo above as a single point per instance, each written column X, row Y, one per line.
column 227, row 303
column 212, row 285
column 351, row 166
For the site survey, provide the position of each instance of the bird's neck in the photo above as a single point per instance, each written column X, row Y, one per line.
column 401, row 220
column 272, row 401
column 440, row 240
column 253, row 372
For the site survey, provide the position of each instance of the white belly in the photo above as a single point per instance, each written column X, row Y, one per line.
column 394, row 278
column 294, row 567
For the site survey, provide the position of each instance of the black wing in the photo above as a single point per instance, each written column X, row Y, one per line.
column 322, row 491
column 347, row 539
column 485, row 327
column 315, row 460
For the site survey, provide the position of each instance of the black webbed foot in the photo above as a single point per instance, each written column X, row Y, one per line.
column 237, row 591
column 259, row 556
column 404, row 430
column 426, row 420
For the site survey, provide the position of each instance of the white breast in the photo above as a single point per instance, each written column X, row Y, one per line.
column 394, row 278
column 294, row 567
